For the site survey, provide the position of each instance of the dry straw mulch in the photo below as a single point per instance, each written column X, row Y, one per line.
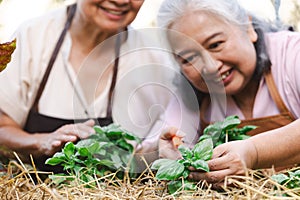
column 24, row 182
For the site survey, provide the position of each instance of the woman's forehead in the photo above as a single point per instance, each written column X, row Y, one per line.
column 194, row 29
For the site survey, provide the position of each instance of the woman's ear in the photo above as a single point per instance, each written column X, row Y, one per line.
column 251, row 31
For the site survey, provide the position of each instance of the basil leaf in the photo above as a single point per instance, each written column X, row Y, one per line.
column 170, row 172
column 59, row 155
column 297, row 173
column 98, row 129
column 174, row 186
column 54, row 161
column 214, row 130
column 129, row 136
column 204, row 137
column 114, row 135
column 85, row 142
column 69, row 149
column 116, row 160
column 246, row 129
column 200, row 164
column 186, row 173
column 106, row 162
column 94, row 148
column 280, row 178
column 230, row 122
column 125, row 145
column 203, row 150
column 59, row 178
column 239, row 137
column 161, row 162
column 84, row 152
column 185, row 152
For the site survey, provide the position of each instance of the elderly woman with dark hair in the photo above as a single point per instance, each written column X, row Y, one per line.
column 237, row 65
column 77, row 66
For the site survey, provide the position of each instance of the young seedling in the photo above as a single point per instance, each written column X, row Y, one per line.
column 177, row 171
column 227, row 130
column 290, row 180
column 106, row 151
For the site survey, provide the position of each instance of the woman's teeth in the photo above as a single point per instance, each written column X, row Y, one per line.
column 114, row 12
column 223, row 76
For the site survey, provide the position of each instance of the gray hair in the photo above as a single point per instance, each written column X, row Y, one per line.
column 228, row 10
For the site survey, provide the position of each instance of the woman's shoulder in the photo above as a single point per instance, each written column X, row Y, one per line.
column 283, row 46
column 284, row 53
column 283, row 39
column 48, row 22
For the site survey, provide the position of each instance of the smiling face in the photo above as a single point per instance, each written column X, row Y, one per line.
column 109, row 15
column 216, row 52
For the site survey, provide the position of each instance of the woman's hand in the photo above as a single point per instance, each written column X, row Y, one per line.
column 167, row 146
column 48, row 144
column 232, row 158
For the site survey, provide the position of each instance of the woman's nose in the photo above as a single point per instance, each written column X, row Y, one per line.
column 211, row 64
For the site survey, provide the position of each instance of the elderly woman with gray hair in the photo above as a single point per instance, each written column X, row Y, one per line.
column 237, row 65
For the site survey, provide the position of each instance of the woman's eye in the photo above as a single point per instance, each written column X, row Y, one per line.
column 215, row 45
column 189, row 59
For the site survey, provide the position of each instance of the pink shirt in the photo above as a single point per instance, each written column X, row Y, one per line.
column 284, row 52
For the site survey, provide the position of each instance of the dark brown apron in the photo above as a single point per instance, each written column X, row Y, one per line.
column 263, row 123
column 38, row 123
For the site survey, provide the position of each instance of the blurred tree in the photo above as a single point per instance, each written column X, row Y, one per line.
column 293, row 19
column 276, row 4
column 295, row 16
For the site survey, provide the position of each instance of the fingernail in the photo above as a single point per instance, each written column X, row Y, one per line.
column 180, row 133
column 72, row 138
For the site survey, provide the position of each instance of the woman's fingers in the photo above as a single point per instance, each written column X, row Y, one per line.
column 168, row 133
column 90, row 122
column 66, row 138
column 231, row 161
column 49, row 143
column 220, row 167
column 83, row 130
column 210, row 177
column 80, row 130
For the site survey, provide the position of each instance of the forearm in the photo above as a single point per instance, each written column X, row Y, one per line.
column 15, row 139
column 279, row 147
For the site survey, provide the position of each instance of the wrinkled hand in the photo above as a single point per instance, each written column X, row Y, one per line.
column 53, row 142
column 232, row 158
column 166, row 147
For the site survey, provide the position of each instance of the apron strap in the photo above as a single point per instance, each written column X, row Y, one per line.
column 115, row 75
column 71, row 11
column 274, row 92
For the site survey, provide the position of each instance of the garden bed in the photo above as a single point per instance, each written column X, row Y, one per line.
column 21, row 181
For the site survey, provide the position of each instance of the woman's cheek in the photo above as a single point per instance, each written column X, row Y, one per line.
column 195, row 78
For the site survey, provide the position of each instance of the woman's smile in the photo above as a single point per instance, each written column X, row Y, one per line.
column 113, row 13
